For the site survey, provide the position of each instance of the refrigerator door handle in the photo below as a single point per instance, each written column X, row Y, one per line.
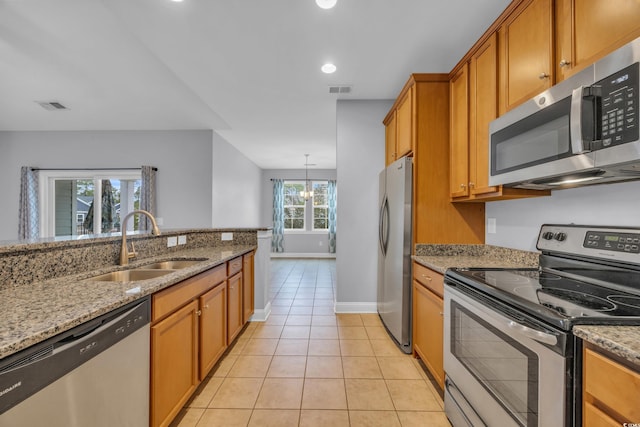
column 385, row 226
column 381, row 226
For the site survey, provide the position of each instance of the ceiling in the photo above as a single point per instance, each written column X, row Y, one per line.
column 249, row 69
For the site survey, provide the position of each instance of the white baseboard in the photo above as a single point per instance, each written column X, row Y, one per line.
column 301, row 255
column 355, row 307
column 261, row 315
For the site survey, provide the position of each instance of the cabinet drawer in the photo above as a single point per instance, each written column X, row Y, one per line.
column 429, row 278
column 613, row 384
column 172, row 298
column 594, row 417
column 234, row 266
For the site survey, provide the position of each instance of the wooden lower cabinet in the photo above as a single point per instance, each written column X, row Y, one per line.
column 234, row 307
column 213, row 327
column 248, row 294
column 174, row 363
column 428, row 320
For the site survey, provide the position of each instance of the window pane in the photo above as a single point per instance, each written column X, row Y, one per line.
column 320, row 224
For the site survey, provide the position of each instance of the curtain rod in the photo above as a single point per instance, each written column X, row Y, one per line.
column 88, row 169
column 302, row 179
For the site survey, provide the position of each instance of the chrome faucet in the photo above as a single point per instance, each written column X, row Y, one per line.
column 124, row 252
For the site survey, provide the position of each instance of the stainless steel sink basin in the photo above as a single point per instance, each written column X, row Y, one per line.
column 130, row 275
column 176, row 264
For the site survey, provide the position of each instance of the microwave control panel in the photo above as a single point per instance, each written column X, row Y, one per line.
column 611, row 241
column 619, row 107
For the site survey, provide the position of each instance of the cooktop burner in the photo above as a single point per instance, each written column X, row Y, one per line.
column 625, row 300
column 578, row 298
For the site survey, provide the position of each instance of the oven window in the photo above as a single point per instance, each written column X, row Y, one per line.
column 507, row 369
column 537, row 139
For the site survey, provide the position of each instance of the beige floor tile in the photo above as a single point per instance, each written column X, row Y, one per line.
column 224, row 366
column 291, row 332
column 268, row 331
column 319, row 418
column 250, row 366
column 324, row 367
column 422, row 419
column 237, row 393
column 298, row 320
column 279, row 310
column 280, row 393
column 349, row 319
column 320, row 347
column 274, row 418
column 323, row 311
column 377, row 332
column 361, row 367
column 282, row 302
column 306, row 310
column 374, row 419
column 318, row 320
column 239, row 345
column 302, row 302
column 371, row 319
column 356, row 348
column 292, row 347
column 276, row 319
column 323, row 302
column 287, row 366
column 366, row 394
column 324, row 332
column 260, row 347
column 205, row 392
column 324, row 393
column 412, row 395
column 352, row 333
column 385, row 348
column 188, row 417
column 225, row 418
column 398, row 368
column 306, row 293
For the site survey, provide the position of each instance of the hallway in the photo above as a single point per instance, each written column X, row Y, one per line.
column 306, row 366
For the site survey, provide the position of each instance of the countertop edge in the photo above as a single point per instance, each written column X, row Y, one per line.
column 623, row 341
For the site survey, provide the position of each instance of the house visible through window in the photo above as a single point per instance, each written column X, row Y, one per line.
column 296, row 215
column 87, row 202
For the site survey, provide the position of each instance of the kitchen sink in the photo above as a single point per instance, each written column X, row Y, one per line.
column 175, row 264
column 131, row 275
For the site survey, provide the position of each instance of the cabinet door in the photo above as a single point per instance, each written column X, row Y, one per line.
column 588, row 30
column 428, row 330
column 483, row 97
column 526, row 53
column 459, row 133
column 404, row 123
column 234, row 307
column 174, row 363
column 390, row 140
column 248, row 295
column 594, row 417
column 213, row 327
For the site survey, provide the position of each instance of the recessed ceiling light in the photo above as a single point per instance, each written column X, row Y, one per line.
column 326, row 4
column 328, row 68
column 177, row 1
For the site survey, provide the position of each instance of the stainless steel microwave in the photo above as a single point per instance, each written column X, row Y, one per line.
column 582, row 131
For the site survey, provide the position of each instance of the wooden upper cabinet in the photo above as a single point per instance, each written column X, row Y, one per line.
column 588, row 30
column 526, row 54
column 390, row 139
column 404, row 123
column 459, row 133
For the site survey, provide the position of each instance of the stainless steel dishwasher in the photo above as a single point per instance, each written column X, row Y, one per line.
column 96, row 374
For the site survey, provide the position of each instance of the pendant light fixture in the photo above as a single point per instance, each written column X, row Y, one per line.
column 307, row 193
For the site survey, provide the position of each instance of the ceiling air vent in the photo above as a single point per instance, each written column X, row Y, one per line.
column 340, row 89
column 51, row 105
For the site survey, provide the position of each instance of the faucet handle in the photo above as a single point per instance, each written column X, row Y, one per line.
column 132, row 254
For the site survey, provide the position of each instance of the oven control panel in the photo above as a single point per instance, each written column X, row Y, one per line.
column 623, row 242
column 613, row 243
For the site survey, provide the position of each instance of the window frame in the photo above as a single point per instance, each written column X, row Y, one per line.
column 313, row 206
column 304, row 206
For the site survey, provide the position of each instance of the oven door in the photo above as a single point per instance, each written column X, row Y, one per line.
column 502, row 369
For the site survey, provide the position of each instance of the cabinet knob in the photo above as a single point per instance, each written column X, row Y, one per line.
column 427, row 277
column 441, row 314
column 199, row 312
column 543, row 76
column 206, row 306
column 472, row 184
column 564, row 63
column 463, row 186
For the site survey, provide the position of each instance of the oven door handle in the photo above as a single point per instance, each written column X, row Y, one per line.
column 540, row 336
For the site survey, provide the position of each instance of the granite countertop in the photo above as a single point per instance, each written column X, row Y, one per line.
column 33, row 313
column 623, row 341
column 441, row 257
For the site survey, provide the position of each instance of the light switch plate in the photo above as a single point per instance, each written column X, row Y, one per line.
column 172, row 241
column 491, row 225
column 226, row 236
column 182, row 240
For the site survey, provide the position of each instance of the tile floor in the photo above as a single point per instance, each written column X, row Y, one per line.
column 306, row 366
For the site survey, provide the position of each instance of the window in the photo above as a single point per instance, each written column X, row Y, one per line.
column 320, row 206
column 294, row 206
column 296, row 215
column 70, row 199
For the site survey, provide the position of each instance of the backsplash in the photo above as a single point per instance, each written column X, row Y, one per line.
column 25, row 263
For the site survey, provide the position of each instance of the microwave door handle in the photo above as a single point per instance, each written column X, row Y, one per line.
column 540, row 336
column 575, row 122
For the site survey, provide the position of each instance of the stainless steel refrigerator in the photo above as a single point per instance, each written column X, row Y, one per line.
column 394, row 251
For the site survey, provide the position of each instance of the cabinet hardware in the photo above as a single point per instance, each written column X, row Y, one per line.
column 206, row 306
column 463, row 186
column 199, row 312
column 427, row 277
column 564, row 63
column 472, row 185
column 543, row 76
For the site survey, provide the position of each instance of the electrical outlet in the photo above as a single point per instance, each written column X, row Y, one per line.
column 182, row 240
column 491, row 225
column 172, row 241
column 226, row 236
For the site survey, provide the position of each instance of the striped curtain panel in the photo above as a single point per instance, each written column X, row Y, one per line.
column 147, row 196
column 332, row 194
column 277, row 241
column 28, row 221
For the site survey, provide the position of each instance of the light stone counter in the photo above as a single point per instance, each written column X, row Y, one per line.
column 623, row 341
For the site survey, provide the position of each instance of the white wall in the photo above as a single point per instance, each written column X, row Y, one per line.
column 519, row 221
column 296, row 242
column 360, row 158
column 236, row 189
